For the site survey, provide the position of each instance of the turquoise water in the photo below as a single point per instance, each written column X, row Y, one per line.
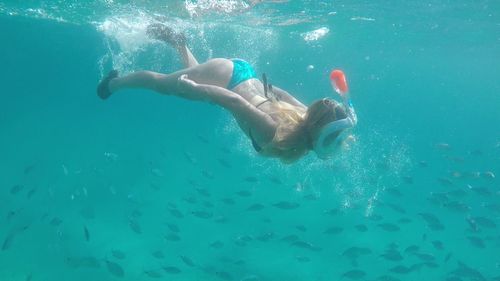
column 144, row 186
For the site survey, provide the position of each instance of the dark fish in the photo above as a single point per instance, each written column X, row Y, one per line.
column 422, row 164
column 284, row 205
column 408, row 179
column 457, row 206
column 290, row 238
column 118, row 254
column 396, row 208
column 207, row 174
column 173, row 227
column 115, row 269
column 401, row 269
column 244, row 193
column 224, row 163
column 158, row 254
column 228, row 201
column 425, row 257
column 438, row 245
column 333, row 230
column 28, row 169
column 55, row 221
column 448, row 257
column 476, row 241
column 355, row 252
column 29, row 277
column 361, row 228
column 393, row 191
column 275, row 180
column 135, row 226
column 217, row 245
column 375, row 217
column 387, row 278
column 176, row 213
column 88, row 262
column 172, row 237
column 171, row 269
column 445, row 181
column 255, row 207
column 16, row 189
column 404, row 220
column 30, row 193
column 203, row 191
column 86, row 233
column 265, row 236
column 7, row 242
column 392, row 255
column 311, row 197
column 224, row 275
column 485, row 222
column 153, row 273
column 301, row 228
column 251, row 179
column 187, row 261
column 203, row 139
column 302, row 259
column 305, row 245
column 354, row 274
column 467, row 272
column 389, row 227
column 202, row 214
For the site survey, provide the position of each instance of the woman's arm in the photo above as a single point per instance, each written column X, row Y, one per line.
column 241, row 109
column 286, row 97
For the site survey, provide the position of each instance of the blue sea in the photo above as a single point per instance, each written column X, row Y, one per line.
column 144, row 186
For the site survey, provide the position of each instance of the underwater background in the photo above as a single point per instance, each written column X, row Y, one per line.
column 144, row 186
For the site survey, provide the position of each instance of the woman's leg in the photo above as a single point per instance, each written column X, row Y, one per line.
column 215, row 72
column 177, row 40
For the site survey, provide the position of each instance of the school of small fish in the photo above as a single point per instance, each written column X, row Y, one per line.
column 225, row 223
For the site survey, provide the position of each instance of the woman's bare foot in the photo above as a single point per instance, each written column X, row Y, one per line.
column 166, row 34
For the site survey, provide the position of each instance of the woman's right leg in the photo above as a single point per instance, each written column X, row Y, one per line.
column 215, row 72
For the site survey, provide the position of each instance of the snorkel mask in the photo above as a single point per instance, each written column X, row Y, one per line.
column 322, row 149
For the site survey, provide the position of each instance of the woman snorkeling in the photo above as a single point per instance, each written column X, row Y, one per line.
column 278, row 125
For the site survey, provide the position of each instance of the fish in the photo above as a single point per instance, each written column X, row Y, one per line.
column 251, row 179
column 412, row 249
column 217, row 245
column 7, row 242
column 118, row 254
column 244, row 193
column 265, row 236
column 228, row 201
column 224, row 163
column 389, row 227
column 285, row 205
column 404, row 220
column 392, row 255
column 30, row 193
column 457, row 206
column 202, row 214
column 305, row 245
column 203, row 139
column 223, row 275
column 153, row 273
column 172, row 237
column 55, row 221
column 423, row 164
column 176, row 213
column 187, row 261
column 301, row 228
column 425, row 257
column 467, row 272
column 171, row 269
column 333, row 230
column 86, row 233
column 115, row 269
column 207, row 174
column 275, row 180
column 135, row 226
column 408, row 179
column 387, row 278
column 16, row 189
column 88, row 262
column 255, row 207
column 173, row 227
column 158, row 254
column 401, row 269
column 445, row 181
column 203, row 191
column 443, row 146
column 485, row 222
column 488, row 175
column 476, row 241
column 354, row 274
column 302, row 259
column 361, row 228
column 438, row 245
column 290, row 238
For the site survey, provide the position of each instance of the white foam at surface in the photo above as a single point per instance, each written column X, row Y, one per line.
column 316, row 34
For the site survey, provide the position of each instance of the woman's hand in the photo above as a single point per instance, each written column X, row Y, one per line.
column 185, row 84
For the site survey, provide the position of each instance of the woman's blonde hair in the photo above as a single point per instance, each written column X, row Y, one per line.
column 295, row 141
